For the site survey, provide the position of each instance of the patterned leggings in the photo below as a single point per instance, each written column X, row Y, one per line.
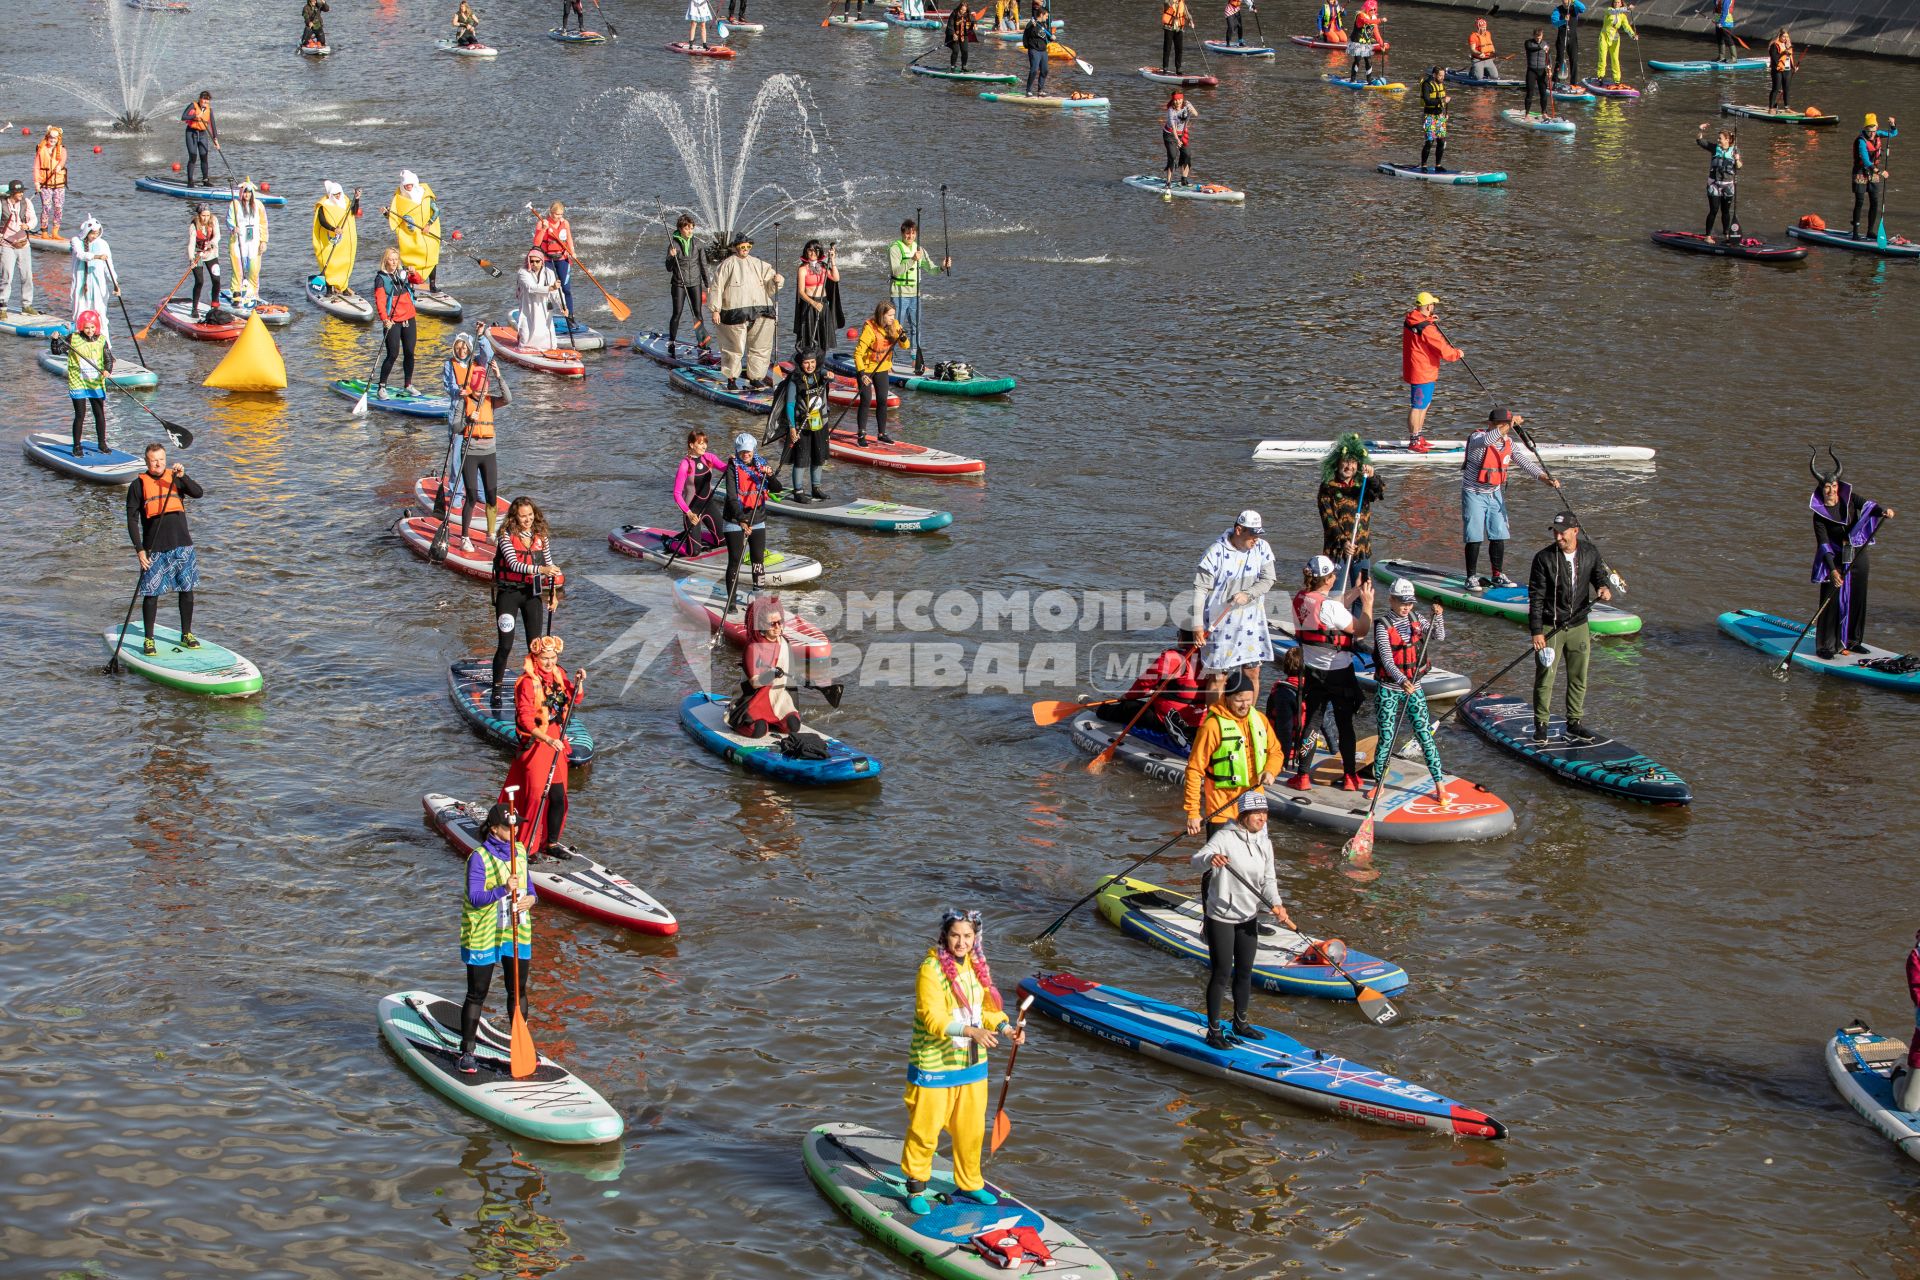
column 1390, row 720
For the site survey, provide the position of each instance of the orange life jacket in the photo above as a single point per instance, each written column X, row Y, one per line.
column 152, row 490
column 1493, row 463
column 1307, row 628
column 1480, row 44
column 1406, row 653
column 472, row 380
column 1174, row 14
column 50, row 164
column 199, row 116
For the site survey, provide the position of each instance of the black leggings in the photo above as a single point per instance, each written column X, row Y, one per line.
column 1496, row 555
column 1177, row 157
column 574, row 8
column 1726, row 44
column 1869, row 192
column 736, row 10
column 1231, row 949
column 1173, row 49
column 399, row 340
column 99, row 422
column 1781, row 90
column 477, row 473
column 1360, row 69
column 689, row 295
column 206, row 275
column 150, row 610
column 739, row 542
column 879, row 390
column 1234, row 35
column 479, row 980
column 957, row 56
column 1537, row 83
column 1566, row 53
column 1341, row 691
column 790, row 724
column 1722, row 208
column 531, row 609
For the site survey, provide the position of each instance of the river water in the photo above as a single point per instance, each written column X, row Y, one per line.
column 209, row 897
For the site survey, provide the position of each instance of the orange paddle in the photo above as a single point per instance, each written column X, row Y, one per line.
column 1002, row 1125
column 148, row 327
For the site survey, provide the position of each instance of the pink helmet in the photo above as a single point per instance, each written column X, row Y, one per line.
column 87, row 320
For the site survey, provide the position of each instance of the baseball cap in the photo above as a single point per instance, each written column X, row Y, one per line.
column 1253, row 802
column 1320, row 567
column 1402, row 589
column 1501, row 414
column 1425, row 299
column 1249, row 520
column 1565, row 520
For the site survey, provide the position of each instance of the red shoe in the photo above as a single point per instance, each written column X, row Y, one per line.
column 1420, row 444
column 1351, row 782
column 1300, row 782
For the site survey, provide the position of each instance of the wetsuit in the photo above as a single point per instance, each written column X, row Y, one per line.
column 1869, row 161
column 694, row 487
column 1566, row 41
column 1539, row 74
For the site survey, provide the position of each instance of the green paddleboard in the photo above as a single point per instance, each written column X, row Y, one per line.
column 211, row 669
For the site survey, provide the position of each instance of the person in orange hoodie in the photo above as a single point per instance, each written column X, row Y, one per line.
column 1480, row 51
column 1234, row 751
column 543, row 698
column 50, row 180
column 1423, row 349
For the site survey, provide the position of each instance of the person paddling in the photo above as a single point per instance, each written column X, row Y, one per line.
column 466, row 26
column 414, row 215
column 1870, row 170
column 247, row 238
column 1433, row 119
column 313, row 26
column 1326, row 625
column 1402, row 646
column 50, row 178
column 1175, row 20
column 543, row 698
column 1482, row 61
column 1722, row 170
column 157, row 525
column 686, row 280
column 336, row 237
column 496, row 926
column 1238, row 885
column 1236, row 21
column 696, row 488
column 1175, row 133
column 17, row 222
column 800, row 414
column 1230, row 585
column 93, row 279
column 765, row 704
column 744, row 512
column 1566, row 578
column 1844, row 526
column 957, row 1016
column 575, row 12
column 1348, row 490
column 1364, row 43
column 88, row 359
column 203, row 256
column 1723, row 31
column 202, row 132
column 1169, row 693
column 1234, row 751
column 872, row 363
column 466, row 377
column 393, row 303
column 1565, row 17
column 1539, row 76
column 1615, row 24
column 1423, row 349
column 905, row 257
column 1782, row 61
column 524, row 575
column 1490, row 455
column 553, row 237
column 961, row 30
column 1035, row 37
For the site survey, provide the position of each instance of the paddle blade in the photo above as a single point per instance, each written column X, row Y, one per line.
column 621, row 311
column 525, row 1059
column 1086, row 68
column 359, row 409
column 442, row 537
column 1375, row 1007
column 1049, row 712
column 181, row 437
column 1100, row 762
column 833, row 693
column 1002, row 1126
column 1360, row 844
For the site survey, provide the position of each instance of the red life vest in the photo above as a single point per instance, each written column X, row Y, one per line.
column 753, row 490
column 1307, row 628
column 523, row 551
column 1406, row 653
column 1493, row 463
column 157, row 506
column 1013, row 1247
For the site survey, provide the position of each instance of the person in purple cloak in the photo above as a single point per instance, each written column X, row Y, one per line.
column 1844, row 524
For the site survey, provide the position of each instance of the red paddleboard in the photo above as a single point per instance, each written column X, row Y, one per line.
column 704, row 601
column 564, row 361
column 701, row 51
column 902, row 456
column 417, row 532
column 426, row 491
column 178, row 317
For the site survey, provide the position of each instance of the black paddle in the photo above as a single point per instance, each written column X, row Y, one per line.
column 611, row 29
column 180, row 436
column 1579, row 616
column 113, row 659
column 946, row 244
column 1526, row 437
column 443, row 536
column 481, row 263
column 1781, row 670
column 133, row 333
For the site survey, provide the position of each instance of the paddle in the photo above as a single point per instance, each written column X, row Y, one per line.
column 1359, row 846
column 1047, row 713
column 1258, row 30
column 1002, row 1126
column 175, row 432
column 1880, row 227
column 360, row 406
column 148, row 327
column 113, row 659
column 621, row 311
column 1155, row 852
column 611, row 29
column 1353, row 534
column 946, row 244
column 1526, row 437
column 481, row 263
column 523, row 1058
column 1374, row 1007
column 442, row 502
column 1781, row 670
column 894, row 1184
column 114, row 279
column 1579, row 616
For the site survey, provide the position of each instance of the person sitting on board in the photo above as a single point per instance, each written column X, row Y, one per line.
column 496, row 925
column 800, row 415
column 1480, row 52
column 88, row 359
column 313, row 31
column 1169, row 689
column 1348, row 490
column 157, row 525
column 1870, row 170
column 1232, row 906
column 1615, row 24
column 957, row 1016
column 1230, row 585
column 765, row 704
column 1333, row 23
column 1423, row 349
column 202, row 131
column 1287, row 706
column 744, row 514
column 1565, row 581
column 1433, row 119
column 1489, row 455
column 1844, row 526
column 1006, row 14
column 696, row 491
column 1566, row 41
column 466, row 26
column 1401, row 642
column 526, row 582
column 1326, row 627
column 1782, row 62
column 543, row 699
column 1364, row 41
column 1235, row 751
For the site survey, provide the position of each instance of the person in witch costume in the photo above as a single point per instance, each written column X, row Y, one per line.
column 1844, row 524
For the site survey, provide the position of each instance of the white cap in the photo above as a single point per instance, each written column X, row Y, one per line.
column 1402, row 589
column 744, row 443
column 1320, row 567
column 1249, row 520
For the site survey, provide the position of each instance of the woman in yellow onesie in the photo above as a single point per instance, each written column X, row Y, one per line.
column 1612, row 25
column 957, row 1016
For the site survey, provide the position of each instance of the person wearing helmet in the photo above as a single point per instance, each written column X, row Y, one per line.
column 88, row 359
column 744, row 517
column 800, row 416
column 1401, row 645
column 1870, row 170
column 1433, row 118
column 1423, row 349
column 94, row 279
column 1844, row 526
column 1489, row 456
column 1326, row 627
column 17, row 222
column 496, row 925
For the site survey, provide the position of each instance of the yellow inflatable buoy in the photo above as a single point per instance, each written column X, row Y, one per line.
column 254, row 364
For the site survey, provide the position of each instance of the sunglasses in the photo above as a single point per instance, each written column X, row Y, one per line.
column 951, row 916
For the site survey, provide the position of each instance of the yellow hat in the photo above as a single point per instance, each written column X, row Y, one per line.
column 1873, row 121
column 1425, row 299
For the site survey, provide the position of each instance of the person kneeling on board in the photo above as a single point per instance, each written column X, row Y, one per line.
column 496, row 924
column 1400, row 640
column 1237, row 881
column 1170, row 691
column 766, row 695
column 1234, row 752
column 1566, row 578
column 1480, row 51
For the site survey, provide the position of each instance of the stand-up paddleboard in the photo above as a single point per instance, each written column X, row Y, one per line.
column 914, row 24
column 901, row 455
column 426, row 491
column 1239, row 50
column 1443, row 453
column 210, row 669
column 437, row 303
column 782, row 569
column 1340, row 46
column 470, row 684
column 459, row 50
column 701, row 50
column 1439, row 685
column 1047, row 100
column 1408, row 812
column 551, row 1105
column 395, row 401
column 1601, row 88
column 1567, row 93
column 1177, row 190
column 563, row 362
column 1895, row 247
column 709, row 385
column 1446, row 177
column 161, row 6
column 575, row 37
column 1455, row 76
column 846, row 23
column 858, row 1169
column 1861, row 1063
column 572, row 332
column 1746, row 248
column 566, row 876
column 101, row 466
column 125, row 373
column 1774, row 636
column 311, row 50
column 275, row 315
column 678, row 355
column 1510, row 603
column 1378, row 84
column 704, row 717
column 1602, row 763
column 705, row 601
column 418, row 531
column 1534, row 120
column 1173, row 922
column 22, row 325
column 41, row 240
column 178, row 316
column 1184, row 81
column 863, row 513
column 180, row 189
column 899, row 375
column 1708, row 64
column 1276, row 1063
column 345, row 306
column 1782, row 115
column 972, row 77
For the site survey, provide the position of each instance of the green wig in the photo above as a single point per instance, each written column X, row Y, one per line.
column 1349, row 445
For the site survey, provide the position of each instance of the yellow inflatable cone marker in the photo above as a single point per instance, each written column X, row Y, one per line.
column 254, row 364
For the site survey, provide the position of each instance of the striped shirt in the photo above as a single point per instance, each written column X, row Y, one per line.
column 1477, row 453
column 1386, row 630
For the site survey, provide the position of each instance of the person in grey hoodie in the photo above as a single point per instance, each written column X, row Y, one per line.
column 1236, row 883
